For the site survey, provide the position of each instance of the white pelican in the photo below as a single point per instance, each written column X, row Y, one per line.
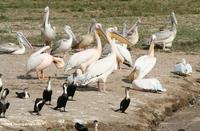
column 47, row 31
column 145, row 63
column 40, row 60
column 63, row 45
column 85, row 40
column 123, row 54
column 166, row 37
column 100, row 69
column 150, row 84
column 86, row 57
column 183, row 68
column 12, row 48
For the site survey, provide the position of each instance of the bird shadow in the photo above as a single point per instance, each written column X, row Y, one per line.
column 26, row 77
column 86, row 88
column 126, row 80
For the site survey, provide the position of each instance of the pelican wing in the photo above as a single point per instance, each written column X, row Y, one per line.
column 125, row 53
column 79, row 58
column 148, row 84
column 162, row 35
column 8, row 47
column 33, row 62
column 100, row 68
column 145, row 64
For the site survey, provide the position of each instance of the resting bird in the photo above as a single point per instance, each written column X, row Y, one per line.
column 39, row 103
column 62, row 100
column 145, row 63
column 63, row 45
column 80, row 127
column 23, row 95
column 4, row 105
column 151, row 84
column 183, row 68
column 48, row 32
column 165, row 38
column 11, row 48
column 85, row 40
column 132, row 34
column 40, row 60
column 47, row 93
column 125, row 102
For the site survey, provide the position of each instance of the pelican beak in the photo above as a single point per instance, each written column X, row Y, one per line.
column 59, row 62
column 133, row 75
column 101, row 33
column 119, row 38
column 21, row 38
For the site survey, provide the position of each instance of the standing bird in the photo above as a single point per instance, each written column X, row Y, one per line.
column 71, row 89
column 1, row 83
column 47, row 93
column 145, row 63
column 11, row 48
column 3, row 104
column 183, row 68
column 23, row 95
column 48, row 32
column 86, row 57
column 166, row 37
column 63, row 45
column 40, row 60
column 62, row 100
column 39, row 103
column 125, row 102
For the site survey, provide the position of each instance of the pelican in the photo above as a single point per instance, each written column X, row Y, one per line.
column 150, row 84
column 12, row 48
column 63, row 45
column 123, row 55
column 183, row 68
column 166, row 37
column 95, row 72
column 132, row 33
column 85, row 40
column 40, row 60
column 86, row 57
column 145, row 63
column 47, row 31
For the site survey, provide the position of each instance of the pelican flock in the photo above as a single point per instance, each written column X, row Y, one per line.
column 91, row 65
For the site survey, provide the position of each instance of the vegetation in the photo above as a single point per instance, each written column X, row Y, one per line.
column 26, row 16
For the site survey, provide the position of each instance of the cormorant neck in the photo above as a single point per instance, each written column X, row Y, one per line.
column 127, row 93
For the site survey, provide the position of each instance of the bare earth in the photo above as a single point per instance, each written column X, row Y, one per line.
column 144, row 113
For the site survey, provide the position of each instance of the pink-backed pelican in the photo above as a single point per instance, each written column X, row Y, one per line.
column 166, row 37
column 40, row 60
column 61, row 46
column 11, row 48
column 145, row 63
column 48, row 32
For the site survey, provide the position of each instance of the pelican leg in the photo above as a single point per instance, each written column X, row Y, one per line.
column 118, row 64
column 38, row 74
column 43, row 76
column 98, row 86
column 164, row 47
column 104, row 84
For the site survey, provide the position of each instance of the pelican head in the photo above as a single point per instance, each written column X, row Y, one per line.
column 68, row 29
column 46, row 9
column 22, row 40
column 183, row 61
column 134, row 74
column 173, row 18
column 139, row 21
column 153, row 37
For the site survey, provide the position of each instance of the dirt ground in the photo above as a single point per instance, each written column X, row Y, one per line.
column 144, row 113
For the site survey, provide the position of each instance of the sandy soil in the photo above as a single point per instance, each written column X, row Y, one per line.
column 144, row 113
